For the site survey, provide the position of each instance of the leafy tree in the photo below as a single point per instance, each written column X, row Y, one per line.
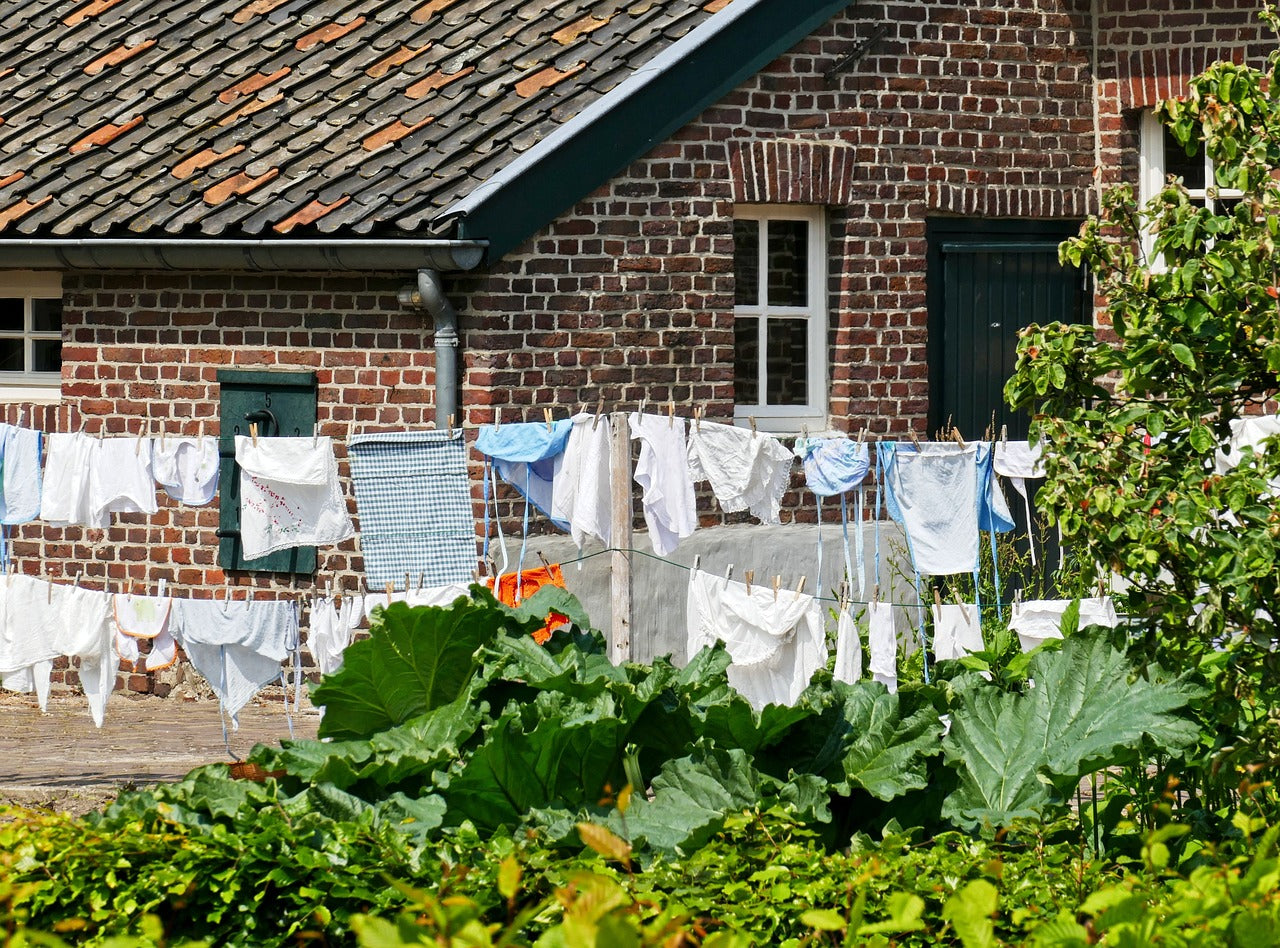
column 1192, row 345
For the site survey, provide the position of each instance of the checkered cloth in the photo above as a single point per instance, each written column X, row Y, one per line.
column 414, row 501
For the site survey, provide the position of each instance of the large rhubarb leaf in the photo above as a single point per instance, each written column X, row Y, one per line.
column 415, row 659
column 1016, row 754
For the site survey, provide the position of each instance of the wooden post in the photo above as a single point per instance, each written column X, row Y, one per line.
column 620, row 538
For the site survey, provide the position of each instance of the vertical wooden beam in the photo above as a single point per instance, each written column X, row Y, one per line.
column 620, row 537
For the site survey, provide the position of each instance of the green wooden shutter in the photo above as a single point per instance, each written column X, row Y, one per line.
column 284, row 405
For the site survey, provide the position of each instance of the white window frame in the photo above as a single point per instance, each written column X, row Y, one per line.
column 790, row 419
column 28, row 285
column 1152, row 175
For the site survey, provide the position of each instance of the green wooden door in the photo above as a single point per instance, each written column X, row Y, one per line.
column 284, row 405
column 986, row 282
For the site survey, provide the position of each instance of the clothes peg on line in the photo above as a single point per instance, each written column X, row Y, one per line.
column 497, row 417
column 543, row 560
column 875, row 594
column 914, row 439
column 253, row 432
column 937, row 597
column 862, row 435
column 546, row 415
column 800, row 586
column 391, row 587
column 955, row 434
column 697, row 560
column 728, row 574
column 450, row 421
column 200, row 432
column 1004, row 434
column 752, row 419
column 595, row 422
column 421, row 577
column 749, row 575
column 671, row 413
column 142, row 430
column 777, row 584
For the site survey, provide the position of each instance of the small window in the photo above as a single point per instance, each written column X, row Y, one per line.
column 1162, row 157
column 30, row 336
column 779, row 318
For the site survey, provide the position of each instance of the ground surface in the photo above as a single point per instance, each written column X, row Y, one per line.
column 60, row 760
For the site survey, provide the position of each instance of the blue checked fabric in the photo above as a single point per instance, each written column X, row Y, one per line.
column 414, row 501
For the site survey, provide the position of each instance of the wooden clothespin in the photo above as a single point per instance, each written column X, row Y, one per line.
column 1004, row 434
column 800, row 586
column 728, row 574
column 914, row 439
column 142, row 430
column 497, row 417
column 315, row 434
column 875, row 594
column 643, row 403
column 253, row 432
column 752, row 419
column 937, row 597
column 546, row 416
column 421, row 577
column 671, row 413
column 200, row 432
column 407, row 587
column 543, row 560
column 697, row 417
column 595, row 422
column 777, row 584
column 862, row 435
column 48, row 587
column 75, row 583
column 955, row 434
column 697, row 560
column 749, row 575
column 450, row 421
column 391, row 587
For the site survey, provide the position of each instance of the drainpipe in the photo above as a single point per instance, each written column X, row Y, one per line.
column 429, row 296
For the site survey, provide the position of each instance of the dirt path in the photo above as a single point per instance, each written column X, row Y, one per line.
column 60, row 760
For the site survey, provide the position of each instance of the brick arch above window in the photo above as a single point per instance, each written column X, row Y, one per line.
column 788, row 171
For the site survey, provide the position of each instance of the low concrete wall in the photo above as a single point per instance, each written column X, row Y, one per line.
column 660, row 587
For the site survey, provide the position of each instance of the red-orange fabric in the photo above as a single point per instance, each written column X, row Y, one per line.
column 530, row 581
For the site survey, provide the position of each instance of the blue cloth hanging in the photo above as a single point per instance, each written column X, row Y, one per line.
column 524, row 455
column 833, row 465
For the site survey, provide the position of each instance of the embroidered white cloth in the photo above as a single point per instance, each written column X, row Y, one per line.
column 956, row 631
column 64, row 496
column 21, row 482
column 120, row 479
column 290, row 495
column 746, row 470
column 662, row 471
column 238, row 645
column 882, row 642
column 848, row 648
column 776, row 644
column 936, row 489
column 331, row 626
column 187, row 468
column 1038, row 620
column 581, row 486
column 43, row 621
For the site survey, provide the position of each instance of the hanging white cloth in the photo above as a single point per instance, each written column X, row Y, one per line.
column 238, row 646
column 581, row 488
column 776, row 643
column 187, row 468
column 1021, row 461
column 120, row 478
column 20, row 488
column 662, row 471
column 848, row 648
column 882, row 641
column 747, row 470
column 141, row 617
column 956, row 631
column 43, row 621
column 443, row 595
column 1038, row 620
column 65, row 496
column 290, row 495
column 332, row 625
column 936, row 490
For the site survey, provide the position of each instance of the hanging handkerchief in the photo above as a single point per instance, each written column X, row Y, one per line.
column 746, row 470
column 1021, row 461
column 848, row 648
column 332, row 625
column 120, row 479
column 956, row 631
column 64, row 495
column 289, row 495
column 662, row 471
column 581, row 493
column 525, row 455
column 141, row 617
column 1038, row 620
column 882, row 643
column 833, row 465
column 187, row 469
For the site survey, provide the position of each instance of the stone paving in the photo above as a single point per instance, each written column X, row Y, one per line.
column 60, row 760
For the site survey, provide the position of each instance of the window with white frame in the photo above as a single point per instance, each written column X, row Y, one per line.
column 779, row 317
column 1162, row 156
column 30, row 335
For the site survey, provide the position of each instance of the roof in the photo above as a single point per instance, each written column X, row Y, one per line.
column 262, row 117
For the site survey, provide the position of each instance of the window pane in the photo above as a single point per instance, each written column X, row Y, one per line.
column 787, row 371
column 746, row 360
column 11, row 315
column 1190, row 168
column 47, row 354
column 46, row 315
column 746, row 263
column 788, row 263
column 11, row 355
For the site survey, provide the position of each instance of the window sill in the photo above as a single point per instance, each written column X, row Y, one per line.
column 791, row 421
column 33, row 393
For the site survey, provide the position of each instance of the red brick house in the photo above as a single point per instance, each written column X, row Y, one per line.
column 814, row 213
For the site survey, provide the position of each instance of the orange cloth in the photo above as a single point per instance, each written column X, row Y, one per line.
column 530, row 581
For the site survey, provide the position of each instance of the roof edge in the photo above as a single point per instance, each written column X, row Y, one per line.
column 251, row 255
column 643, row 110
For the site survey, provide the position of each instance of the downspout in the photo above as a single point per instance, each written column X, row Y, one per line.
column 429, row 297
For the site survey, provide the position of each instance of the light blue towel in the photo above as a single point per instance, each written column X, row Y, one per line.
column 525, row 455
column 20, row 490
column 833, row 465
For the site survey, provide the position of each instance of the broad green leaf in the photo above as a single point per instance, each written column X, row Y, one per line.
column 1015, row 754
column 970, row 912
column 415, row 659
column 1182, row 353
column 823, row 920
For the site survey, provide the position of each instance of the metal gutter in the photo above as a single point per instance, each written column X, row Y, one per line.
column 640, row 112
column 255, row 255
